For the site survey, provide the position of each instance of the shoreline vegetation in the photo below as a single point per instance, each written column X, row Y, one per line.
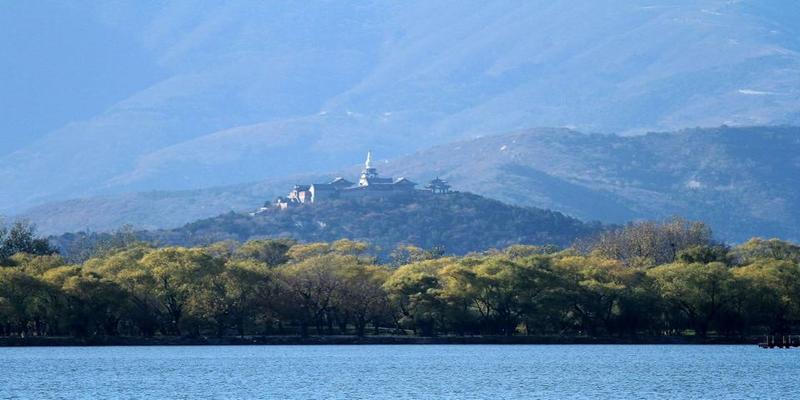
column 44, row 341
column 648, row 282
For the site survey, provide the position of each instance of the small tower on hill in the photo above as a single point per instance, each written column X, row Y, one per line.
column 438, row 186
column 369, row 172
column 370, row 185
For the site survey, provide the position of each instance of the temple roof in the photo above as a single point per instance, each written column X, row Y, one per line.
column 404, row 181
column 380, row 186
column 374, row 180
column 368, row 181
column 339, row 181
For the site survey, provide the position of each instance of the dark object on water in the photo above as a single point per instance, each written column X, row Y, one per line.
column 786, row 342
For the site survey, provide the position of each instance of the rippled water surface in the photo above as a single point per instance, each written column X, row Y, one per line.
column 400, row 372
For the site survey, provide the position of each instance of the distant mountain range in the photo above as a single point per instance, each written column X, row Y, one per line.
column 103, row 98
column 743, row 181
column 457, row 223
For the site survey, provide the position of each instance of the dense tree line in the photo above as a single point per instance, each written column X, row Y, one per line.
column 459, row 222
column 20, row 238
column 645, row 279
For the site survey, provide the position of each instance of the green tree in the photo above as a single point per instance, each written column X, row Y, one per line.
column 272, row 252
column 704, row 254
column 300, row 252
column 593, row 288
column 37, row 265
column 312, row 284
column 96, row 305
column 178, row 273
column 415, row 292
column 231, row 298
column 361, row 294
column 124, row 266
column 769, row 293
column 21, row 238
column 699, row 291
column 650, row 243
column 757, row 249
column 29, row 305
column 507, row 292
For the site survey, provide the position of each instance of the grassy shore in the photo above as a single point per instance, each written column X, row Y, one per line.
column 354, row 340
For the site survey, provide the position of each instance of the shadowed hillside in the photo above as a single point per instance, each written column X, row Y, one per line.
column 742, row 181
column 457, row 222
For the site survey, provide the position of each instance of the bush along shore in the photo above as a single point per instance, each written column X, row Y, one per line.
column 43, row 341
column 645, row 283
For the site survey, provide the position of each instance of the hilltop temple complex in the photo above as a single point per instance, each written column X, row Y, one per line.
column 370, row 184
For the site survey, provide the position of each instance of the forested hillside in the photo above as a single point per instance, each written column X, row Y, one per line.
column 454, row 223
column 742, row 181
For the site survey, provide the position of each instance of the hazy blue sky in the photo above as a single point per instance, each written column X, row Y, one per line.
column 115, row 96
column 60, row 64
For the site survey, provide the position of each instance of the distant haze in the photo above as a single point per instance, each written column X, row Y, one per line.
column 101, row 98
column 744, row 182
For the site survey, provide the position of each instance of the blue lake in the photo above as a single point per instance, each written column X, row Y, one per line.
column 400, row 372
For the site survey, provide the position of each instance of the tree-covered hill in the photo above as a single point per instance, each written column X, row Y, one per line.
column 742, row 181
column 457, row 223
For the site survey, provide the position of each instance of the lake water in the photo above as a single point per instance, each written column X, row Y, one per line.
column 400, row 372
